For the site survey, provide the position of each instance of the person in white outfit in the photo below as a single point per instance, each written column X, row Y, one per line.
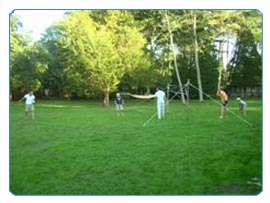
column 242, row 106
column 29, row 104
column 161, row 97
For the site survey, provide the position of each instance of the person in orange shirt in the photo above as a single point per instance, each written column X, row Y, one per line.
column 224, row 102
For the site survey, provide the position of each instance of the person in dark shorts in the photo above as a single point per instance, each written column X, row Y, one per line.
column 119, row 104
column 224, row 102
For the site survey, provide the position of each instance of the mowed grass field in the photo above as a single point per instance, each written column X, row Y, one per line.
column 82, row 148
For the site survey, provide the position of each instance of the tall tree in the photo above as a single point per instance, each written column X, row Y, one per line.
column 174, row 50
column 55, row 78
column 17, row 45
column 158, row 46
column 196, row 55
column 100, row 48
column 224, row 25
column 245, row 68
column 28, row 60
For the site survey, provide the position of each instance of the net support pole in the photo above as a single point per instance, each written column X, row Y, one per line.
column 187, row 91
column 187, row 97
column 168, row 93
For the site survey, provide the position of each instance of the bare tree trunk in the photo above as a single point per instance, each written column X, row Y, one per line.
column 197, row 58
column 106, row 98
column 175, row 59
column 220, row 67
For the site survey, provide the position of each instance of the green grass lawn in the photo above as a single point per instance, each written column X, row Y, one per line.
column 81, row 148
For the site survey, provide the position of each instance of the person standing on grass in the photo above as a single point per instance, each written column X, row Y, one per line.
column 119, row 104
column 242, row 106
column 29, row 104
column 161, row 97
column 224, row 102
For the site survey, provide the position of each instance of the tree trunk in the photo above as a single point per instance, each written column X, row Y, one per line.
column 175, row 59
column 197, row 58
column 106, row 99
column 220, row 68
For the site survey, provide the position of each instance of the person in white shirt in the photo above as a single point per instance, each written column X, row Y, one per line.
column 29, row 104
column 242, row 106
column 161, row 97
